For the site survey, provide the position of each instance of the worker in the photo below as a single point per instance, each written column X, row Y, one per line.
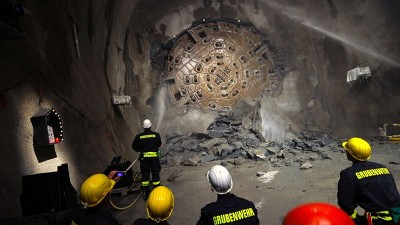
column 159, row 207
column 95, row 199
column 369, row 185
column 382, row 133
column 147, row 144
column 317, row 213
column 228, row 209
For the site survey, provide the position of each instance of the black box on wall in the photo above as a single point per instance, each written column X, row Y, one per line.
column 47, row 127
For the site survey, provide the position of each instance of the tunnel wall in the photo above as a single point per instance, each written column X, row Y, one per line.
column 45, row 71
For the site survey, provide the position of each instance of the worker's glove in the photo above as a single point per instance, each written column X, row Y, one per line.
column 113, row 175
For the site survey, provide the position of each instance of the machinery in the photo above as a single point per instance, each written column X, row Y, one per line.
column 391, row 131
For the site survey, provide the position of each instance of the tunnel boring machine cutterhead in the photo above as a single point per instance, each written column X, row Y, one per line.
column 215, row 64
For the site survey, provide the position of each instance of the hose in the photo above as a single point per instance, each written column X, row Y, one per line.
column 126, row 207
column 135, row 200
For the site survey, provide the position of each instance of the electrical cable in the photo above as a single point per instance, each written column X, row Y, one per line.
column 20, row 81
column 128, row 206
column 135, row 200
column 101, row 123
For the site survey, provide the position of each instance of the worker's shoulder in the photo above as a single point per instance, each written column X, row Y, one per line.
column 348, row 170
column 244, row 200
column 143, row 221
column 148, row 131
column 208, row 207
column 375, row 164
column 238, row 200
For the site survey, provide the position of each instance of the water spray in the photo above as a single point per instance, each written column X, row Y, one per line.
column 160, row 104
column 295, row 16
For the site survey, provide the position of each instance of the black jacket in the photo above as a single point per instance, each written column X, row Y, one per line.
column 369, row 185
column 229, row 209
column 143, row 221
column 147, row 141
column 92, row 216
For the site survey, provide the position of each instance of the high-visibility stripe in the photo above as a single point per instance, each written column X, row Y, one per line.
column 372, row 172
column 382, row 212
column 145, row 183
column 386, row 218
column 381, row 215
column 233, row 216
column 150, row 154
column 156, row 182
column 147, row 136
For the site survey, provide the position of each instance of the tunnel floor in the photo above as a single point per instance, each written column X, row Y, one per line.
column 274, row 196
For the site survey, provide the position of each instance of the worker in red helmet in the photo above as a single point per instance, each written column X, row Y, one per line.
column 147, row 144
column 369, row 185
column 317, row 213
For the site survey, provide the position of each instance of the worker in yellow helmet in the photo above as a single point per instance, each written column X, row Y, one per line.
column 95, row 200
column 159, row 207
column 369, row 185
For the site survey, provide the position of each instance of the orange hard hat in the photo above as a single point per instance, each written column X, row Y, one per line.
column 317, row 213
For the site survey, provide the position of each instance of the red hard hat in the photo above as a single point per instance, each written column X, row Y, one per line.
column 317, row 213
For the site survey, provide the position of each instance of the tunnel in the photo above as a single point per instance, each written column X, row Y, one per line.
column 254, row 72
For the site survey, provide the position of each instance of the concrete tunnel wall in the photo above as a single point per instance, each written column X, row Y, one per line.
column 317, row 42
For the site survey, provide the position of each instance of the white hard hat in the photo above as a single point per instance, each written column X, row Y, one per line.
column 146, row 123
column 220, row 179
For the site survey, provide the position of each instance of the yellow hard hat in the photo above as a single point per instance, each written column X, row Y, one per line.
column 160, row 204
column 95, row 188
column 358, row 148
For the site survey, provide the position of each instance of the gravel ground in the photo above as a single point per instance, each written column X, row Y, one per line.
column 274, row 194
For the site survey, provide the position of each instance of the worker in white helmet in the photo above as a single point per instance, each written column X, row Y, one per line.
column 229, row 208
column 147, row 144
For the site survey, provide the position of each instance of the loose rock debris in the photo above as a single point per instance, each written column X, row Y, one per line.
column 229, row 141
column 231, row 138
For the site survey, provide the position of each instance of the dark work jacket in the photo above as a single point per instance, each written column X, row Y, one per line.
column 147, row 141
column 91, row 216
column 229, row 209
column 143, row 221
column 369, row 185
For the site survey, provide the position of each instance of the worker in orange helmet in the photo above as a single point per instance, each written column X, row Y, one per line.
column 317, row 213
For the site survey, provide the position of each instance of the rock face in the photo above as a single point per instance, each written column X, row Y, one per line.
column 229, row 141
